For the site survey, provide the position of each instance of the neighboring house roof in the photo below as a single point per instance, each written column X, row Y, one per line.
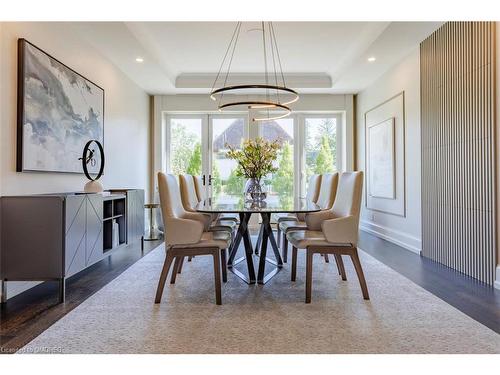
column 233, row 135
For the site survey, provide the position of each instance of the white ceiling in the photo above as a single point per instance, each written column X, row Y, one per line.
column 334, row 50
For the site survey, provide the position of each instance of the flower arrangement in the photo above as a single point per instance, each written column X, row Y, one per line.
column 255, row 158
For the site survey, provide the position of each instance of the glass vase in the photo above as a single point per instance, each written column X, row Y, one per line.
column 254, row 190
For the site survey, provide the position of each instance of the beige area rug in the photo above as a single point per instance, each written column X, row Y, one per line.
column 401, row 317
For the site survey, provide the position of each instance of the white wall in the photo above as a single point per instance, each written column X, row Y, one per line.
column 404, row 231
column 126, row 122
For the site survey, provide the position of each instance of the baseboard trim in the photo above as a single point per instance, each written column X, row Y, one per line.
column 399, row 238
column 496, row 284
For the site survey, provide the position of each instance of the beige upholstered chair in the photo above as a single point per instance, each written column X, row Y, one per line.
column 337, row 233
column 200, row 193
column 190, row 200
column 186, row 235
column 326, row 197
column 312, row 194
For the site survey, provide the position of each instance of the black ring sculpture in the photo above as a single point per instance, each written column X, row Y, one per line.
column 84, row 160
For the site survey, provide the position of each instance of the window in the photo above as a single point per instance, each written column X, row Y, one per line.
column 226, row 131
column 281, row 182
column 198, row 145
column 321, row 141
column 185, row 145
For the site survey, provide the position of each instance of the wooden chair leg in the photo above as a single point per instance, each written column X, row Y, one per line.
column 284, row 251
column 327, row 260
column 223, row 264
column 180, row 265
column 218, row 286
column 294, row 263
column 309, row 268
column 359, row 271
column 340, row 266
column 190, row 258
column 163, row 277
column 175, row 270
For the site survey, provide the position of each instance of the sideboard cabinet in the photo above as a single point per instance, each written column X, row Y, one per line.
column 55, row 236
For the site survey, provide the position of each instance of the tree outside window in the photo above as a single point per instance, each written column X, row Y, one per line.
column 320, row 145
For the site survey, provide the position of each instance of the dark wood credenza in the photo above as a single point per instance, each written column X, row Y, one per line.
column 55, row 236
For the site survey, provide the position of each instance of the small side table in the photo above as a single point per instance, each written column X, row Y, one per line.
column 152, row 233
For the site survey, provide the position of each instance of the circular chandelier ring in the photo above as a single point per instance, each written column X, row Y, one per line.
column 225, row 90
column 260, row 104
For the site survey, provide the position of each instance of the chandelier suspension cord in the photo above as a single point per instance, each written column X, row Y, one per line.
column 265, row 62
column 274, row 63
column 262, row 102
column 231, row 60
column 225, row 56
column 278, row 53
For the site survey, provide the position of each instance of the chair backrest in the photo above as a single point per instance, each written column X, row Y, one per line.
column 328, row 190
column 348, row 199
column 188, row 192
column 170, row 198
column 181, row 227
column 313, row 187
column 200, row 191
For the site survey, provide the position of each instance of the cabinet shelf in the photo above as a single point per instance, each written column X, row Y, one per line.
column 112, row 217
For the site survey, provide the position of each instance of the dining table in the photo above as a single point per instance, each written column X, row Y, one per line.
column 273, row 204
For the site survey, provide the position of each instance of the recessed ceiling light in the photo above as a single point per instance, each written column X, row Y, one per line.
column 139, row 59
column 372, row 59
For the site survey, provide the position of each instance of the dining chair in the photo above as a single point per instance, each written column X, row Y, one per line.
column 190, row 198
column 326, row 197
column 334, row 232
column 200, row 193
column 313, row 187
column 186, row 235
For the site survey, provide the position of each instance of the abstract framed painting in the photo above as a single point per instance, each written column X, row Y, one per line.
column 58, row 112
column 380, row 161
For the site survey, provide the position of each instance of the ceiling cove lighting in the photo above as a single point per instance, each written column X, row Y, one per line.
column 270, row 99
column 139, row 59
column 372, row 59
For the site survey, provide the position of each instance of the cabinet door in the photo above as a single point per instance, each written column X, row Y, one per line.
column 135, row 215
column 75, row 234
column 94, row 227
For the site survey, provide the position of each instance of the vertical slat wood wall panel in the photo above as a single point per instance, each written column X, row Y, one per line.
column 457, row 76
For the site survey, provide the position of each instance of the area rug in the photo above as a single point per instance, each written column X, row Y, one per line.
column 400, row 317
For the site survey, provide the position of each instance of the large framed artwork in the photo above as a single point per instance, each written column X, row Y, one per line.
column 58, row 112
column 385, row 156
column 380, row 161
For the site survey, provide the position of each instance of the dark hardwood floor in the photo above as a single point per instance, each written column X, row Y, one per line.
column 28, row 314
column 474, row 298
column 25, row 316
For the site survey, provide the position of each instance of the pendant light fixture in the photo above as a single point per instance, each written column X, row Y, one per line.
column 271, row 98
